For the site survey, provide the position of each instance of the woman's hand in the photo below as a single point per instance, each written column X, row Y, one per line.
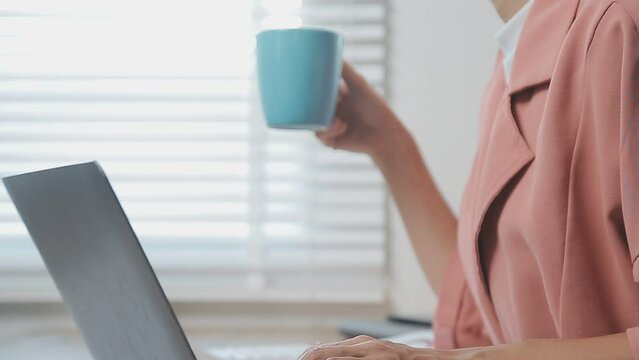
column 608, row 347
column 360, row 347
column 363, row 121
column 368, row 348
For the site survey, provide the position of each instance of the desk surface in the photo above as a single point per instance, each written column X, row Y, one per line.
column 72, row 348
column 69, row 346
column 41, row 347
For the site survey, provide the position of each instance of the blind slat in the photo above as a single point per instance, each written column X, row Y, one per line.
column 224, row 207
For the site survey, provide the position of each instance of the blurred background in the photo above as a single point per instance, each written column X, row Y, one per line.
column 251, row 231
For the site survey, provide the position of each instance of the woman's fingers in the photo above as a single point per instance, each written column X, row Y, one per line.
column 368, row 348
column 342, row 91
column 349, row 341
column 352, row 78
column 331, row 135
column 352, row 341
column 332, row 351
column 355, row 340
column 362, row 347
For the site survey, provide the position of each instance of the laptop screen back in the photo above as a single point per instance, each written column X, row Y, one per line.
column 97, row 264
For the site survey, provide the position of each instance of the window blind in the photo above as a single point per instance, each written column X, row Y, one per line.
column 163, row 94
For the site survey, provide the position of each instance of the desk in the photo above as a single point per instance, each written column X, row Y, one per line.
column 44, row 347
column 40, row 331
column 71, row 347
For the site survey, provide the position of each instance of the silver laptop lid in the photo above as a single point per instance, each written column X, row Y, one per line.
column 97, row 264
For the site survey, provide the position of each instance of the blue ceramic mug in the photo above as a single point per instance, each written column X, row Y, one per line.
column 298, row 74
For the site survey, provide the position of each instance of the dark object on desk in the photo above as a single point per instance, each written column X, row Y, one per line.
column 392, row 326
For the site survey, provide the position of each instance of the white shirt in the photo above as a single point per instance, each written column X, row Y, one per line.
column 508, row 36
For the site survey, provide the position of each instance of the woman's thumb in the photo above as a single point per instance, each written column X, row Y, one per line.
column 351, row 77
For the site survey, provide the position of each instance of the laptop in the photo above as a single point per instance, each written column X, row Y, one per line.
column 99, row 267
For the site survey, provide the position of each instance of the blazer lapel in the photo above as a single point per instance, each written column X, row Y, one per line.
column 502, row 150
column 540, row 43
column 502, row 154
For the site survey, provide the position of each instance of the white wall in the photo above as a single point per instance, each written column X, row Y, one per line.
column 442, row 54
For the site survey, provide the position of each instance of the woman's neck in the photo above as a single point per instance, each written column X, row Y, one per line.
column 508, row 8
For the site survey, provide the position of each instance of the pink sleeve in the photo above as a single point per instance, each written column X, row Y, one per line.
column 613, row 75
column 629, row 140
column 457, row 323
column 629, row 158
column 633, row 338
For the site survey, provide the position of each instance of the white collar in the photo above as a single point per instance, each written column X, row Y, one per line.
column 508, row 36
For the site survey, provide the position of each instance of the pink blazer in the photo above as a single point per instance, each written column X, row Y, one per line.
column 548, row 235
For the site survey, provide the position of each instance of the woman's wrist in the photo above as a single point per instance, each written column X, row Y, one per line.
column 529, row 350
column 610, row 347
column 390, row 143
column 498, row 352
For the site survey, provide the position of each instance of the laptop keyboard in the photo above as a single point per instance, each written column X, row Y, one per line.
column 257, row 352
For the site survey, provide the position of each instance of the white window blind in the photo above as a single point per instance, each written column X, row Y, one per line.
column 162, row 93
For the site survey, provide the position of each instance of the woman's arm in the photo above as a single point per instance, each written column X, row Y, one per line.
column 364, row 123
column 431, row 225
column 611, row 347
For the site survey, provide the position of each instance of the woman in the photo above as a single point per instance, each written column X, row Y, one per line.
column 540, row 263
